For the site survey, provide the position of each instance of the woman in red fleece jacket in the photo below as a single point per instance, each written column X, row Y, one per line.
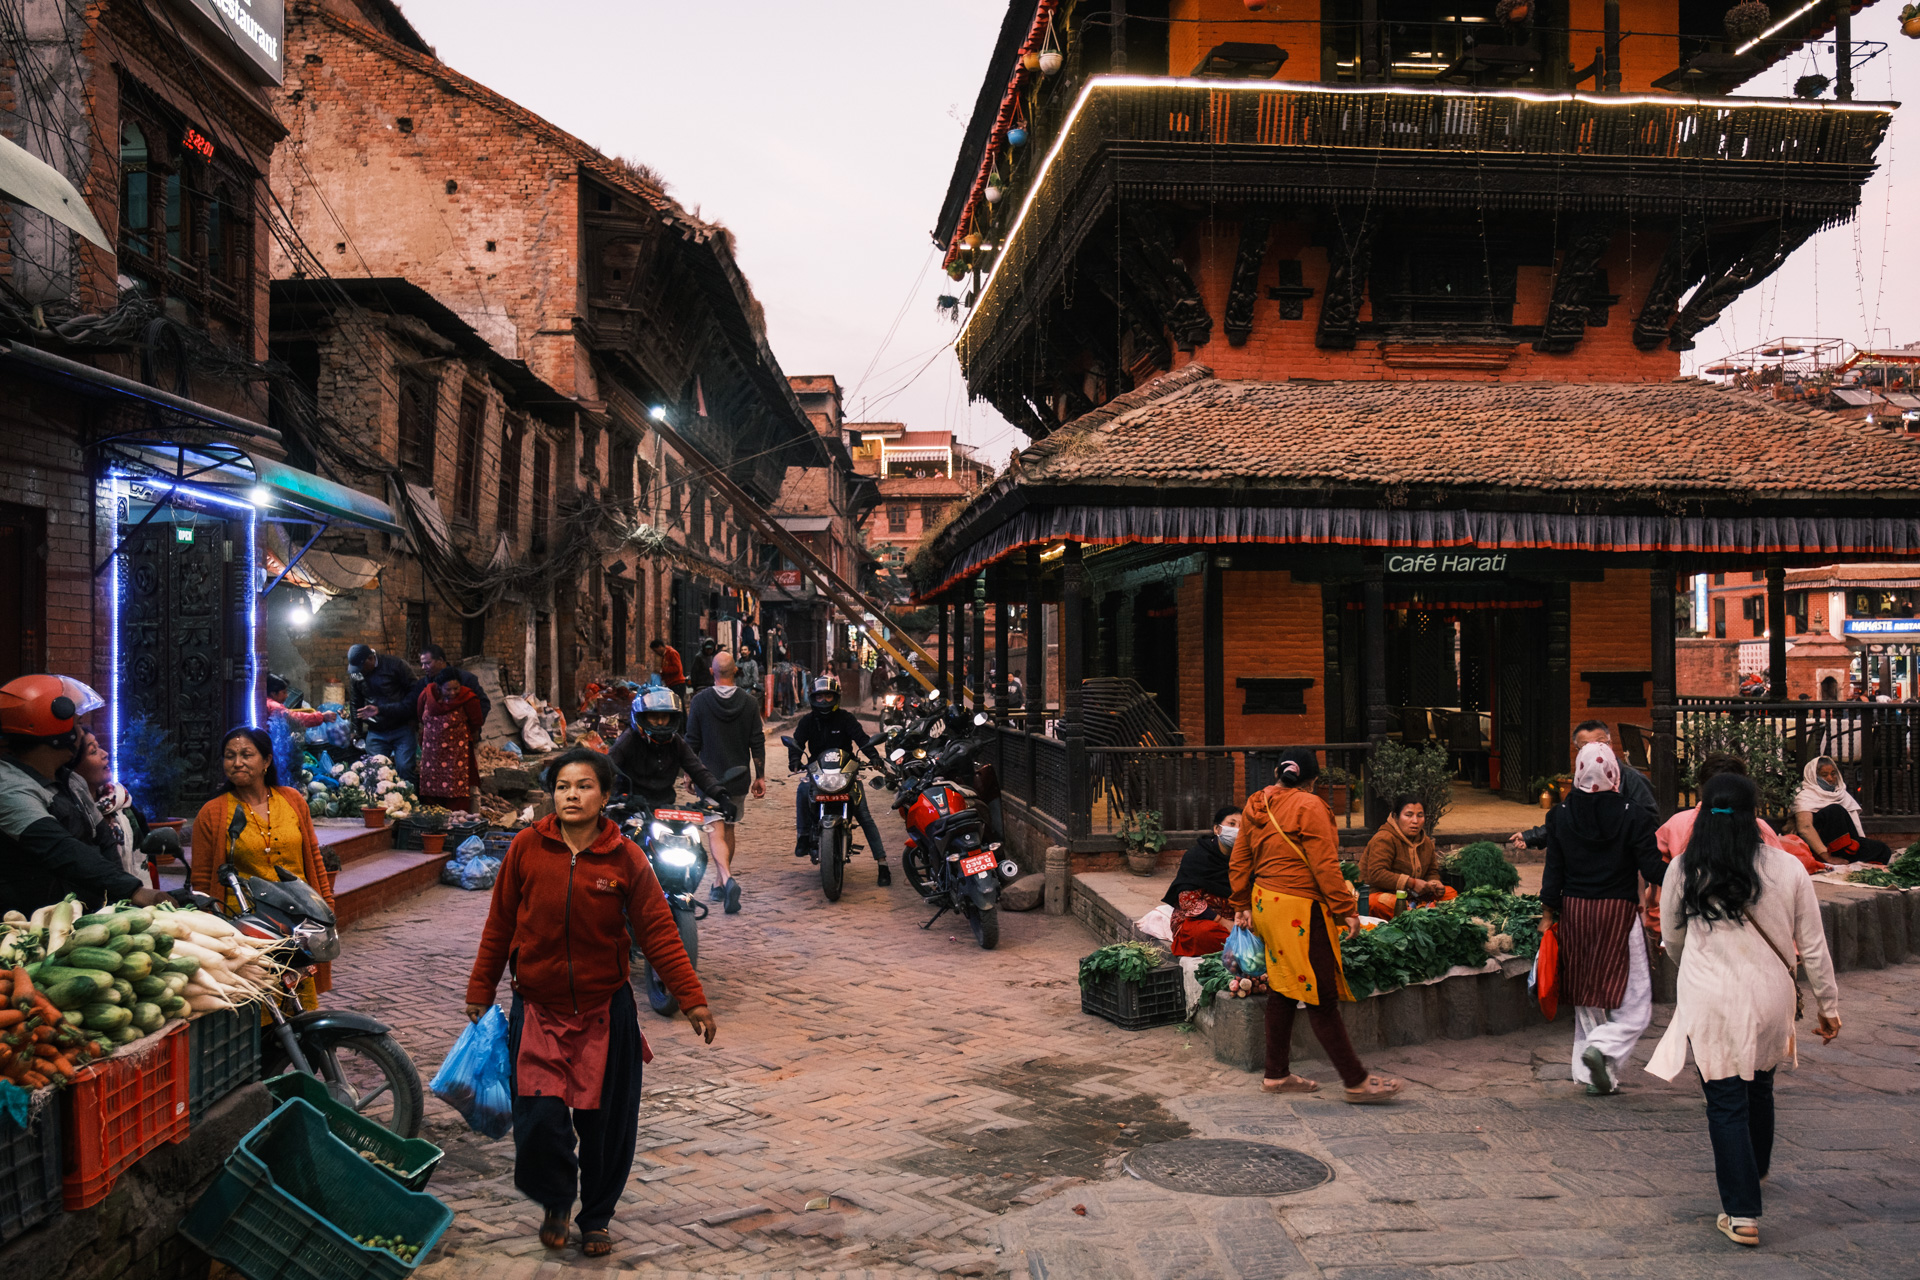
column 568, row 888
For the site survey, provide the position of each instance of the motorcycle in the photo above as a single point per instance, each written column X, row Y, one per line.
column 952, row 853
column 354, row 1055
column 675, row 842
column 893, row 709
column 837, row 794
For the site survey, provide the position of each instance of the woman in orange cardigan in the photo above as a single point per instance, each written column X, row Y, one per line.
column 260, row 827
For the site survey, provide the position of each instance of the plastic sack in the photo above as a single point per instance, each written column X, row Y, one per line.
column 474, row 1080
column 478, row 873
column 471, row 847
column 1544, row 980
column 1157, row 923
column 1243, row 953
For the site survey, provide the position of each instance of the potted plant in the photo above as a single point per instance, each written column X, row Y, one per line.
column 1143, row 838
column 1746, row 20
column 1543, row 790
column 1563, row 785
column 1423, row 771
column 1132, row 985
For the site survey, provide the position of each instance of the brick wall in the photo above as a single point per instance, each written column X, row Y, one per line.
column 1273, row 628
column 41, row 469
column 1612, row 631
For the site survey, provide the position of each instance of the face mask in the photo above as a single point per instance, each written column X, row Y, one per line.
column 1825, row 785
column 1227, row 836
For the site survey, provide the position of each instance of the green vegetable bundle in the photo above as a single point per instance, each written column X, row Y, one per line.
column 1902, row 873
column 1421, row 944
column 1129, row 961
column 1483, row 866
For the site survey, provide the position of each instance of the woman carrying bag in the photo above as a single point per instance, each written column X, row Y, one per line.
column 566, row 891
column 1287, row 888
column 1735, row 911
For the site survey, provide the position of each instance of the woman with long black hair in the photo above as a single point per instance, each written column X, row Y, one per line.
column 1735, row 910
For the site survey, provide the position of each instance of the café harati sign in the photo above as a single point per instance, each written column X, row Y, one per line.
column 1445, row 562
column 253, row 27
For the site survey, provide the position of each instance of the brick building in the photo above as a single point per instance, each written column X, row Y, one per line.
column 920, row 476
column 625, row 350
column 821, row 507
column 1849, row 628
column 1349, row 350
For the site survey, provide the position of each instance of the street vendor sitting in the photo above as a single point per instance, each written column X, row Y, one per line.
column 1401, row 857
column 1200, row 893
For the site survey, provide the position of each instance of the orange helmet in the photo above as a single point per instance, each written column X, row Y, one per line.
column 44, row 706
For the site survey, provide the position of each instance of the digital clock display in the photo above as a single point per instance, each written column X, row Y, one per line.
column 198, row 143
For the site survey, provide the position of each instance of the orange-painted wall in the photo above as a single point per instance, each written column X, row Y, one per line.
column 1643, row 58
column 1285, row 348
column 1612, row 631
column 1200, row 25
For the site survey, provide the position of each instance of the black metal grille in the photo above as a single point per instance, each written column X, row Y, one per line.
column 1227, row 1167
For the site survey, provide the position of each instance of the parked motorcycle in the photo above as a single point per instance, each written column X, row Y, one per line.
column 354, row 1055
column 837, row 794
column 675, row 842
column 893, row 709
column 952, row 853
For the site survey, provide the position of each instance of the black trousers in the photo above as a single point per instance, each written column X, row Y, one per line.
column 546, row 1168
column 1834, row 822
column 1740, row 1125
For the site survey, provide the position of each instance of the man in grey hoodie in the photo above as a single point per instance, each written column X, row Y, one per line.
column 724, row 730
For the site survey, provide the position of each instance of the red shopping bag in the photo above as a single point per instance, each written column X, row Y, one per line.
column 1545, row 978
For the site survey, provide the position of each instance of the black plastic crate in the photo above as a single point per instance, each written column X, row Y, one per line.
column 1159, row 1000
column 29, row 1170
column 223, row 1053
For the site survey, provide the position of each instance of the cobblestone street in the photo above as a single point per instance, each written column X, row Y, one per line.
column 885, row 1100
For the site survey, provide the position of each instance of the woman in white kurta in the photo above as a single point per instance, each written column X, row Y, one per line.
column 1734, row 911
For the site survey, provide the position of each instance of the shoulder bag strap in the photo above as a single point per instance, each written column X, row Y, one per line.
column 1793, row 976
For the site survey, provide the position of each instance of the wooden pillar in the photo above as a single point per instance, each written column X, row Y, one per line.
column 1000, row 672
column 1213, row 651
column 1375, row 660
column 979, row 681
column 1372, row 69
column 1666, row 769
column 946, row 685
column 1610, row 22
column 1843, row 50
column 1036, row 647
column 1776, row 630
column 1072, row 668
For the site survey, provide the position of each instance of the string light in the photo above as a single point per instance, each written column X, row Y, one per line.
column 1801, row 12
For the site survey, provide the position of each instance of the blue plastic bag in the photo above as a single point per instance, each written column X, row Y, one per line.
column 1243, row 953
column 474, row 1080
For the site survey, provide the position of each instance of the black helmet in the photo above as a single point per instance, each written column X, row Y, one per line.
column 825, row 696
column 650, row 704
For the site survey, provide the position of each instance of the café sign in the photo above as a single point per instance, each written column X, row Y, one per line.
column 253, row 27
column 1445, row 562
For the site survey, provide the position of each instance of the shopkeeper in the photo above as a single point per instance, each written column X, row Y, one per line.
column 1201, row 893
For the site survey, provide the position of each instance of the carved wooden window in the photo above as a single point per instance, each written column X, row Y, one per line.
column 620, row 458
column 186, row 213
column 418, row 434
column 896, row 517
column 466, row 479
column 542, row 504
column 513, row 439
column 1444, row 286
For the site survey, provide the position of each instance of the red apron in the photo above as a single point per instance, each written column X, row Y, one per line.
column 564, row 1055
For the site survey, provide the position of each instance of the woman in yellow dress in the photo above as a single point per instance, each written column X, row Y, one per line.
column 261, row 827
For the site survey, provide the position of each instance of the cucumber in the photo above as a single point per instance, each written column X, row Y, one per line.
column 110, row 996
column 151, row 987
column 93, row 958
column 125, row 990
column 125, row 1035
column 177, row 964
column 98, row 917
column 121, row 945
column 73, row 992
column 142, row 942
column 148, row 1017
column 72, row 1017
column 171, row 1005
column 106, row 1017
column 162, row 943
column 138, row 964
column 138, row 919
column 94, row 935
column 176, row 982
column 50, row 974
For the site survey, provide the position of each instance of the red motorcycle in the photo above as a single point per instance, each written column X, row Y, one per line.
column 952, row 856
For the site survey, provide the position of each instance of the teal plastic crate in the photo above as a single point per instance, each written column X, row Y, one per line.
column 294, row 1197
column 408, row 1161
column 223, row 1053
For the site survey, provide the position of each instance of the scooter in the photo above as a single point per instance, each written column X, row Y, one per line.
column 675, row 842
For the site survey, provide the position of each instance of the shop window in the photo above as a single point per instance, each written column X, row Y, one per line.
column 1720, row 618
column 896, row 517
column 419, row 632
column 417, row 429
column 1797, row 610
column 1719, row 579
column 466, row 476
column 1273, row 697
column 185, row 211
column 513, row 438
column 542, row 504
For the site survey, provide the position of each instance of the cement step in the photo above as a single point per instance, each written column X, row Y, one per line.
column 367, row 884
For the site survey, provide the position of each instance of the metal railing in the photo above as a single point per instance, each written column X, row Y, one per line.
column 1032, row 769
column 1875, row 743
column 1184, row 785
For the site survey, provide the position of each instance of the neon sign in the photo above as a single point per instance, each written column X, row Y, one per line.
column 198, row 143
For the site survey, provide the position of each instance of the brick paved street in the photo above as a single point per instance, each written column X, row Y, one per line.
column 888, row 1101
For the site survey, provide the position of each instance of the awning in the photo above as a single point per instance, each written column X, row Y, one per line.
column 302, row 491
column 30, row 180
column 805, row 524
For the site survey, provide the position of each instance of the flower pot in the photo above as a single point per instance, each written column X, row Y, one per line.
column 1142, row 862
column 1049, row 62
column 1911, row 28
column 1564, row 786
column 1338, row 796
column 1546, row 799
column 374, row 816
column 432, row 841
column 1016, row 137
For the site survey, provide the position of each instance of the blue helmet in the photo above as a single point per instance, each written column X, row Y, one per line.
column 657, row 713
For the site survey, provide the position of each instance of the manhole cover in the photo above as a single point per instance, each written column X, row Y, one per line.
column 1227, row 1167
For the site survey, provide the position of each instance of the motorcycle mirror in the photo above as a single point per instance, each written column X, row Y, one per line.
column 876, row 739
column 979, row 717
column 789, row 743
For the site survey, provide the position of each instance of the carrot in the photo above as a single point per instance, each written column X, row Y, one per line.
column 23, row 992
column 11, row 1017
column 34, row 1080
column 42, row 1034
column 64, row 1066
column 45, row 1051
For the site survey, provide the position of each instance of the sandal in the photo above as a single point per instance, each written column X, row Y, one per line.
column 1744, row 1231
column 1290, row 1084
column 597, row 1243
column 1377, row 1090
column 553, row 1228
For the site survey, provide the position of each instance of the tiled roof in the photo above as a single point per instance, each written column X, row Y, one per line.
column 1189, row 429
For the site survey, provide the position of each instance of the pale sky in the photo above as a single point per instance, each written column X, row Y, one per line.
column 823, row 135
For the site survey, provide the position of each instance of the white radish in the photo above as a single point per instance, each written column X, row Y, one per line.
column 208, row 923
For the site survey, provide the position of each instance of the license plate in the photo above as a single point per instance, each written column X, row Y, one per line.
column 976, row 864
column 679, row 815
column 837, row 799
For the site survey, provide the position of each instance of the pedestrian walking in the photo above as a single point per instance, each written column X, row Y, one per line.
column 451, row 714
column 700, row 674
column 1287, row 888
column 725, row 731
column 667, row 663
column 561, row 905
column 1598, row 846
column 1736, row 909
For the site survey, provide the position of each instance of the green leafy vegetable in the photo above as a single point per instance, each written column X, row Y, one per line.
column 1129, row 961
column 1424, row 943
column 1482, row 865
column 1213, row 978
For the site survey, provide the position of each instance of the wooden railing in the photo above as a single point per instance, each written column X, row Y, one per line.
column 1875, row 743
column 1184, row 785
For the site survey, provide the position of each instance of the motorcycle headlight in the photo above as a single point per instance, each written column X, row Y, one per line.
column 660, row 830
column 833, row 781
column 899, row 754
column 677, row 857
column 919, row 753
column 979, row 717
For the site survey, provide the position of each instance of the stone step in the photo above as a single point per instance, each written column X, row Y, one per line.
column 368, row 884
column 350, row 843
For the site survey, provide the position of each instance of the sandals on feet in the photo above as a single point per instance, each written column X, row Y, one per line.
column 597, row 1243
column 1744, row 1231
column 553, row 1228
column 1290, row 1084
column 1377, row 1090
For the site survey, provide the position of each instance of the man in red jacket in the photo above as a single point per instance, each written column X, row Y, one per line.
column 672, row 674
column 561, row 904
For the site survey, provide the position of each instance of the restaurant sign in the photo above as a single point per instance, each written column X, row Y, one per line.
column 1445, row 562
column 253, row 27
column 1883, row 626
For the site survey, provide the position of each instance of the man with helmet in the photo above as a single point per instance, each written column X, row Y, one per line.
column 42, row 858
column 653, row 753
column 826, row 727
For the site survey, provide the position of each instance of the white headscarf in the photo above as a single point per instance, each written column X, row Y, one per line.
column 1596, row 768
column 1814, row 794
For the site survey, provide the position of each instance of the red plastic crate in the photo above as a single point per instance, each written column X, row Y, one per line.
column 120, row 1109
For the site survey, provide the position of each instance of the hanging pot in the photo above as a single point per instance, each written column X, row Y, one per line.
column 1030, row 61
column 1514, row 13
column 1911, row 28
column 955, row 271
column 1050, row 62
column 975, row 240
column 1017, row 137
column 993, row 195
